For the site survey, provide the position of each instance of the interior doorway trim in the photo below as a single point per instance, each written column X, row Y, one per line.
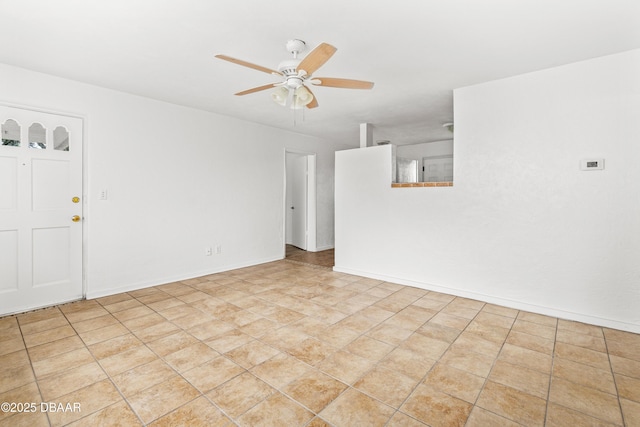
column 311, row 200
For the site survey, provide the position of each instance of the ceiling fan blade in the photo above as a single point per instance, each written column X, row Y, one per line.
column 256, row 89
column 248, row 64
column 314, row 101
column 316, row 58
column 342, row 83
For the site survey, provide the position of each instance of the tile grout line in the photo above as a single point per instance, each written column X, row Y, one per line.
column 203, row 394
column 108, row 376
column 35, row 378
column 162, row 358
column 349, row 386
column 493, row 364
column 278, row 389
column 102, row 368
column 422, row 380
column 553, row 361
column 613, row 375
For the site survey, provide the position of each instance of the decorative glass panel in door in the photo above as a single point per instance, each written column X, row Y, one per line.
column 11, row 133
column 37, row 136
column 60, row 139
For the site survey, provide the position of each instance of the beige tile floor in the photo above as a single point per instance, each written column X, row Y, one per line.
column 286, row 344
column 322, row 258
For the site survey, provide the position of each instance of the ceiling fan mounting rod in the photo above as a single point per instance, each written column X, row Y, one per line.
column 296, row 47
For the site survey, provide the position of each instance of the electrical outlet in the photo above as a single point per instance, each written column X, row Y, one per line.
column 218, row 249
column 103, row 194
column 207, row 251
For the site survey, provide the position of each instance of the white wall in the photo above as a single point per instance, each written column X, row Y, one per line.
column 522, row 226
column 178, row 180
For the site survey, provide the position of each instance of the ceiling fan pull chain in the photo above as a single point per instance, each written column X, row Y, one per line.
column 293, row 102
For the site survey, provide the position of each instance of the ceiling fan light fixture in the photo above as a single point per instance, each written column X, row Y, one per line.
column 301, row 98
column 280, row 96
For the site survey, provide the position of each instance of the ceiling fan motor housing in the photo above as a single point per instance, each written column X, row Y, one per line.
column 288, row 67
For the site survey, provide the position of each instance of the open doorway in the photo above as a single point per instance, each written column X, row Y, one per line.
column 300, row 210
column 300, row 200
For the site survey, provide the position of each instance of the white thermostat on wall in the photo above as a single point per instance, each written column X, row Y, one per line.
column 591, row 164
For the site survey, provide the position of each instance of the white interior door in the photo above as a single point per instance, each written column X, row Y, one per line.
column 299, row 202
column 40, row 209
column 437, row 169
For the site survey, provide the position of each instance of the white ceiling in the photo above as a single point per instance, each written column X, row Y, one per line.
column 416, row 52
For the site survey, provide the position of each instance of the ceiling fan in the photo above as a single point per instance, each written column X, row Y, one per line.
column 293, row 90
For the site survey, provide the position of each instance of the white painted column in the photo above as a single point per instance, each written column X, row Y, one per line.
column 366, row 135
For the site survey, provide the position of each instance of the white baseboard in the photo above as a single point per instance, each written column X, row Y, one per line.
column 505, row 302
column 170, row 279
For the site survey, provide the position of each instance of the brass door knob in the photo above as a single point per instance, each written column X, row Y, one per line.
column 75, row 218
